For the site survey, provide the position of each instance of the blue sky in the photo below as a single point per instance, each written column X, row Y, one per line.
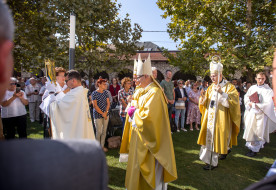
column 147, row 14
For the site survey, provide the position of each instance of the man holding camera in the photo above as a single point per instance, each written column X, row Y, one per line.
column 32, row 91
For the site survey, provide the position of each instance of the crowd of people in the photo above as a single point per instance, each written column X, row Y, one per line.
column 182, row 96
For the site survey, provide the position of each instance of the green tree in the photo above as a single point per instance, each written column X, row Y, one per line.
column 103, row 39
column 241, row 32
column 35, row 37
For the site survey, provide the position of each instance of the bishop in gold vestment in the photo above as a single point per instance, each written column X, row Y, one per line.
column 220, row 122
column 151, row 161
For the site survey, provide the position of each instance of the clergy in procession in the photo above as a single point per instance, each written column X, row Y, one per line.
column 151, row 161
column 51, row 89
column 60, row 82
column 274, row 78
column 124, row 149
column 220, row 122
column 69, row 111
column 259, row 116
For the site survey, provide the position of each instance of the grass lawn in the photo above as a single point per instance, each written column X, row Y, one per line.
column 235, row 172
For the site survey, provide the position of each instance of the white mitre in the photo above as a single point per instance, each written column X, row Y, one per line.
column 144, row 68
column 215, row 67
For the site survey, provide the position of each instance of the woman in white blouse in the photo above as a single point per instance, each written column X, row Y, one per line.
column 13, row 111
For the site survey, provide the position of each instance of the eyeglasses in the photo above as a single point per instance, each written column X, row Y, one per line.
column 68, row 80
column 13, row 83
column 139, row 76
column 180, row 83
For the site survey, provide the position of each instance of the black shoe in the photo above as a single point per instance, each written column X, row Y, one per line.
column 209, row 167
column 229, row 151
column 251, row 153
column 222, row 156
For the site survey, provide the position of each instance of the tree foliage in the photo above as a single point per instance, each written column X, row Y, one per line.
column 242, row 32
column 103, row 39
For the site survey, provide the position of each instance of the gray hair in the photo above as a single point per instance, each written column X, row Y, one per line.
column 6, row 23
column 180, row 80
column 13, row 79
column 153, row 68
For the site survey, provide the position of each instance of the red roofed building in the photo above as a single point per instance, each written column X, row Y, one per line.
column 157, row 60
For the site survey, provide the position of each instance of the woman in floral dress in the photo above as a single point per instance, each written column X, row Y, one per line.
column 193, row 115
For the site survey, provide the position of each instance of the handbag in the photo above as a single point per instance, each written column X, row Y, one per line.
column 180, row 105
column 114, row 118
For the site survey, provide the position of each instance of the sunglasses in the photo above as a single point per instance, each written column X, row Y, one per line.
column 13, row 83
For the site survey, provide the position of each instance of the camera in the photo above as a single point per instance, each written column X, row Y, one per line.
column 17, row 89
column 35, row 91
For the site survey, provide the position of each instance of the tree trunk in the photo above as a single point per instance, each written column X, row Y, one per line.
column 250, row 75
column 248, row 14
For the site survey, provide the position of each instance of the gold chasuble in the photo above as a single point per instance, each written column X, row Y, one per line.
column 150, row 141
column 227, row 123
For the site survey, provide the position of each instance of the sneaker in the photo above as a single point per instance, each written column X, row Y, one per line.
column 191, row 129
column 178, row 130
column 184, row 130
column 32, row 120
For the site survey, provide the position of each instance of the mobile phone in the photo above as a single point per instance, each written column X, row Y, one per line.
column 17, row 89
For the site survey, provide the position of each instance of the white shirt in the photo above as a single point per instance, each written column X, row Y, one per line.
column 182, row 92
column 29, row 89
column 16, row 108
column 42, row 90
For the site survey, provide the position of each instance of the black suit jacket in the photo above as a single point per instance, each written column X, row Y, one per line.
column 178, row 93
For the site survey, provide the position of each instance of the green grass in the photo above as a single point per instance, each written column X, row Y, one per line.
column 235, row 172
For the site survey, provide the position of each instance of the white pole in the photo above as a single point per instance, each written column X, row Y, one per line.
column 72, row 41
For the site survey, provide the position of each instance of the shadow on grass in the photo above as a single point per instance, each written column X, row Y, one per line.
column 116, row 176
column 236, row 172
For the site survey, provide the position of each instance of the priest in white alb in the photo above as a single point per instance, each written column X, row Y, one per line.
column 69, row 111
column 259, row 118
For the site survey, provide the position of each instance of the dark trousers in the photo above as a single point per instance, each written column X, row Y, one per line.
column 170, row 110
column 9, row 125
column 123, row 121
column 46, row 127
